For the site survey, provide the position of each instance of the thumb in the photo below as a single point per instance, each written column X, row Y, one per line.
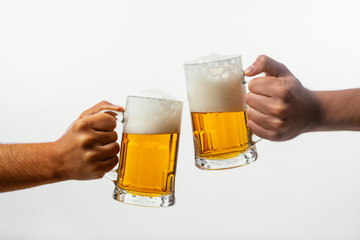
column 103, row 105
column 267, row 65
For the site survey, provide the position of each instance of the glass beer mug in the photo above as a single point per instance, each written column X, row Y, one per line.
column 149, row 149
column 216, row 94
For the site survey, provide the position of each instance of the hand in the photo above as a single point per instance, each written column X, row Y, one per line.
column 280, row 108
column 89, row 149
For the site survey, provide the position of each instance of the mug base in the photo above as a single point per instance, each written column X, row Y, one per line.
column 244, row 158
column 124, row 196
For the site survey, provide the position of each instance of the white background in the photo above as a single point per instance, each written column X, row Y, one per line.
column 58, row 58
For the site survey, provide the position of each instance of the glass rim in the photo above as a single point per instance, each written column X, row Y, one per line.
column 154, row 98
column 220, row 59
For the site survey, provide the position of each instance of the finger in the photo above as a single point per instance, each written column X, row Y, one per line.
column 102, row 122
column 267, row 65
column 106, row 151
column 260, row 131
column 264, row 85
column 261, row 103
column 103, row 105
column 108, row 164
column 103, row 138
column 265, row 121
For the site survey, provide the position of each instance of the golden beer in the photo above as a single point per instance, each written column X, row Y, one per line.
column 148, row 163
column 216, row 92
column 149, row 149
column 220, row 135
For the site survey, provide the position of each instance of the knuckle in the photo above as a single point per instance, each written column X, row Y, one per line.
column 286, row 88
column 81, row 124
column 90, row 156
column 115, row 148
column 115, row 136
column 85, row 140
column 284, row 92
column 278, row 124
column 281, row 81
column 280, row 109
column 112, row 123
column 109, row 120
column 262, row 58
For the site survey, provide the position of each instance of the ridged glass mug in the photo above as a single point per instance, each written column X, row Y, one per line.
column 216, row 93
column 149, row 149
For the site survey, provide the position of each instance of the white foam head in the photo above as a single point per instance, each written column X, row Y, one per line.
column 215, row 84
column 150, row 115
column 156, row 93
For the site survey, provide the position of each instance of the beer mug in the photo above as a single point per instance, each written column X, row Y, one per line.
column 216, row 94
column 149, row 149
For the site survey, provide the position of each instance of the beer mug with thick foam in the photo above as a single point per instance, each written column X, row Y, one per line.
column 149, row 148
column 216, row 94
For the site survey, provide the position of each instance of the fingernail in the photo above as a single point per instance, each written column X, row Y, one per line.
column 249, row 70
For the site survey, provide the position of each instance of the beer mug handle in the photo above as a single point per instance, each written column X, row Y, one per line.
column 252, row 141
column 244, row 81
column 112, row 174
column 122, row 114
column 251, row 135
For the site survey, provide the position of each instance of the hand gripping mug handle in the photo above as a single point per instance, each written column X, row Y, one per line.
column 112, row 174
column 251, row 141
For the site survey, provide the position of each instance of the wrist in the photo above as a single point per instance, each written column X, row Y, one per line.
column 315, row 113
column 321, row 119
column 58, row 163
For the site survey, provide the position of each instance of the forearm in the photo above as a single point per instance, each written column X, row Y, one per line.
column 28, row 165
column 339, row 110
